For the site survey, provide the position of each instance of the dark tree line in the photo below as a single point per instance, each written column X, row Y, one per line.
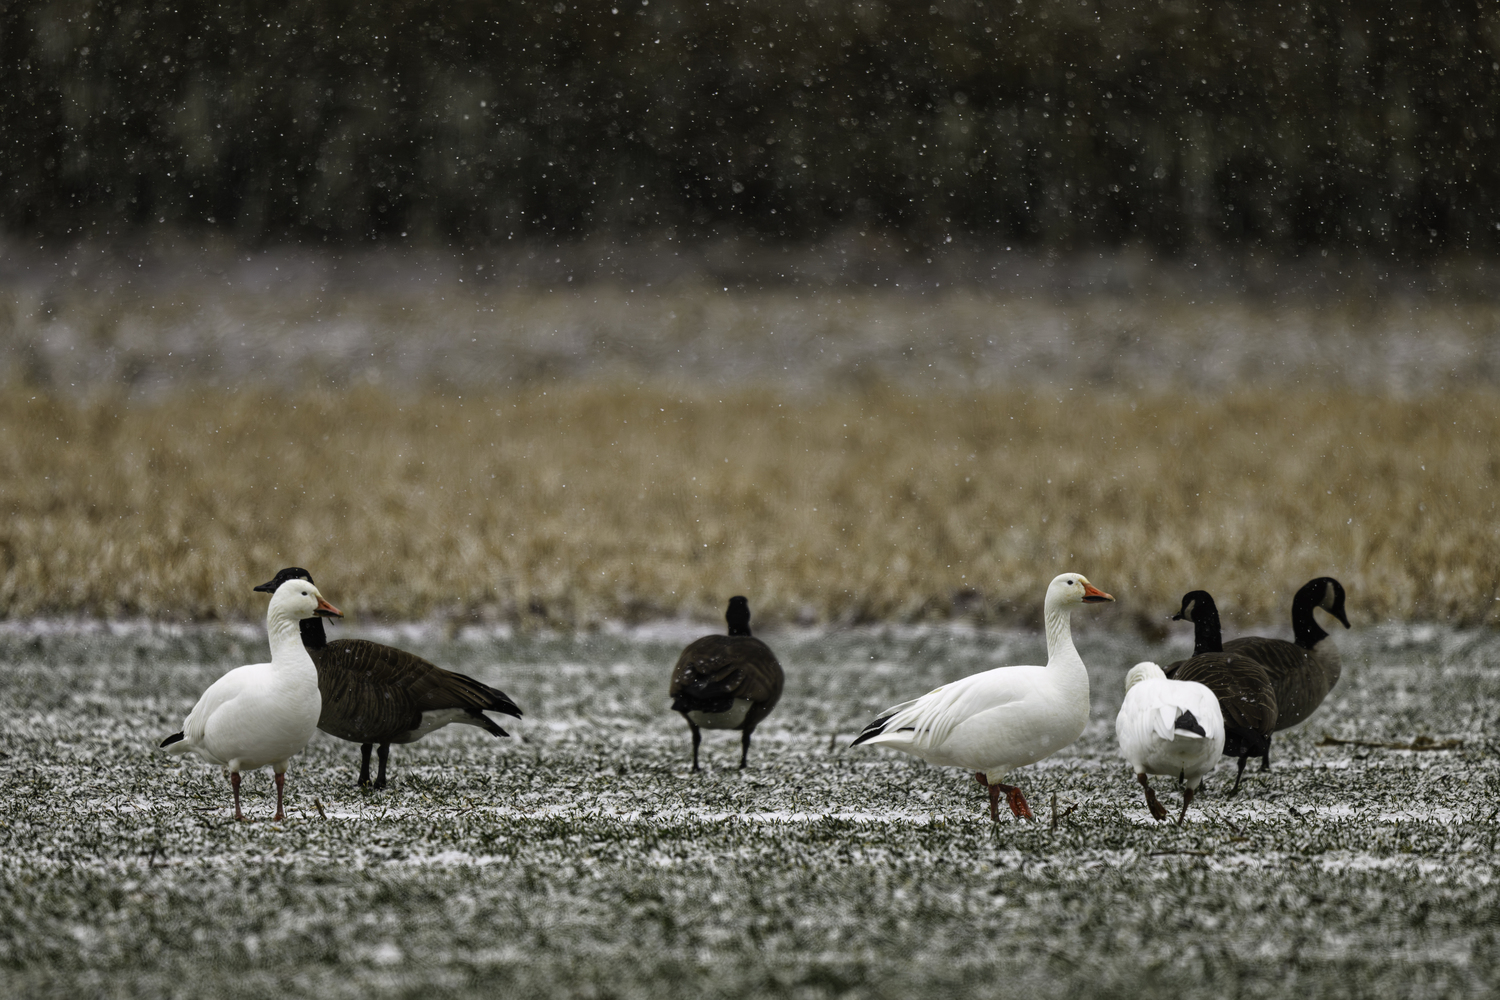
column 1369, row 125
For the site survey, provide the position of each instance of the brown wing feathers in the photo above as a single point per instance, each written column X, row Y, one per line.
column 1242, row 686
column 716, row 669
column 374, row 693
column 1298, row 677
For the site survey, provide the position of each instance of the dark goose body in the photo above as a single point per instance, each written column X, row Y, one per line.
column 1242, row 684
column 727, row 681
column 1303, row 671
column 375, row 694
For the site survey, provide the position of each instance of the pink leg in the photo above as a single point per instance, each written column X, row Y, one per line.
column 1187, row 800
column 234, row 782
column 1158, row 811
column 1014, row 799
column 280, row 785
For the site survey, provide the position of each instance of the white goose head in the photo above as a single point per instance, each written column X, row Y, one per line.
column 1143, row 671
column 1068, row 589
column 298, row 599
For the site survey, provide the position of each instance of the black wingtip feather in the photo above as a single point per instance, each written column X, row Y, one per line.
column 873, row 730
column 488, row 724
column 1188, row 723
column 496, row 700
column 504, row 706
column 174, row 738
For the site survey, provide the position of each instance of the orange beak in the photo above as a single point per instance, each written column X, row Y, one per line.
column 1093, row 595
column 327, row 610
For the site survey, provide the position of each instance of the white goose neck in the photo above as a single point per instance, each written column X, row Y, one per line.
column 1060, row 635
column 286, row 639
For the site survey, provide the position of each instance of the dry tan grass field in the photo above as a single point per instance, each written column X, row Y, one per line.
column 595, row 501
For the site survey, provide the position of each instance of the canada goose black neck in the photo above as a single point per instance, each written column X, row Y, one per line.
column 313, row 636
column 1324, row 592
column 1199, row 608
column 738, row 616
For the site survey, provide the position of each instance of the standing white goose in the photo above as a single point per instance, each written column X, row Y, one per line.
column 1169, row 727
column 260, row 715
column 994, row 722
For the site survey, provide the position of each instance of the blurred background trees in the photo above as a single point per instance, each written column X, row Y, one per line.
column 1045, row 123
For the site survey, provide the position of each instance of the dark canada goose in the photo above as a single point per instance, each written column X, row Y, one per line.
column 1246, row 696
column 375, row 694
column 727, row 681
column 1303, row 671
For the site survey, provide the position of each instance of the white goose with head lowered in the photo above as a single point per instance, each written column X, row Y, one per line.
column 260, row 715
column 1169, row 727
column 994, row 722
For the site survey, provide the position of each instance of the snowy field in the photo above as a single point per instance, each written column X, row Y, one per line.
column 583, row 859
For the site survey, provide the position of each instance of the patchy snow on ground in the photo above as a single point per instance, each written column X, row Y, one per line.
column 583, row 858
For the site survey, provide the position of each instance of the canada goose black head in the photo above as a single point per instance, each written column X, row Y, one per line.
column 1333, row 598
column 738, row 616
column 1197, row 605
column 1323, row 592
column 1199, row 608
column 313, row 635
column 290, row 573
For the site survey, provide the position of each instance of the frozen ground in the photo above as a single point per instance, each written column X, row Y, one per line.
column 583, row 859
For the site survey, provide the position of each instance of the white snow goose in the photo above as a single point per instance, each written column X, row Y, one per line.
column 1168, row 727
column 377, row 694
column 994, row 722
column 260, row 715
column 727, row 681
column 1303, row 671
